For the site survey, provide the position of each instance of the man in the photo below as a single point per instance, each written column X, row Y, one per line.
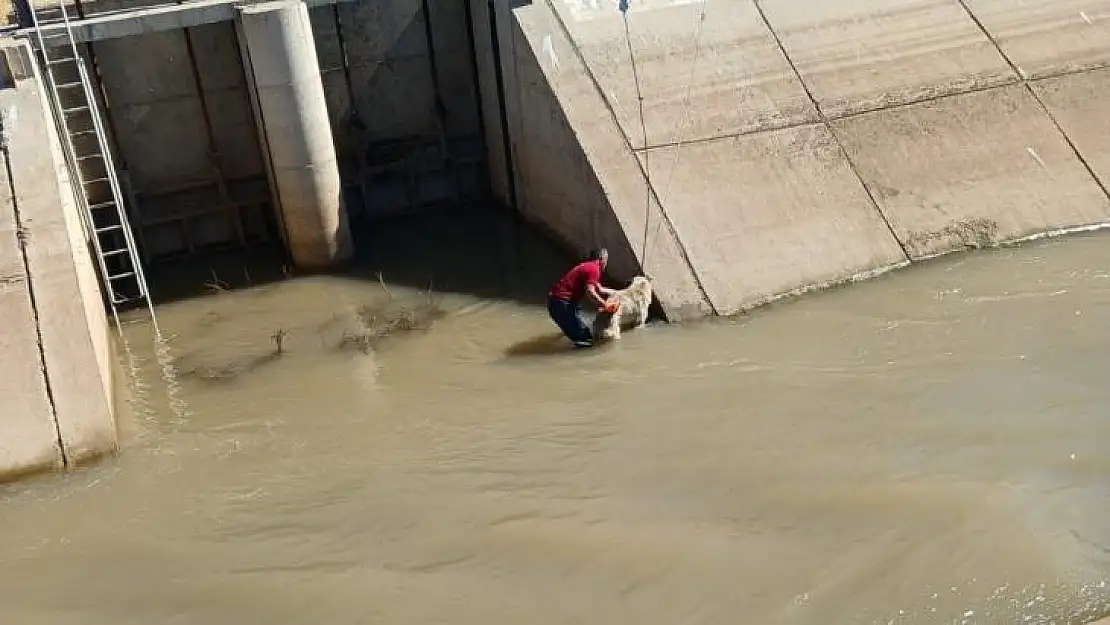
column 583, row 280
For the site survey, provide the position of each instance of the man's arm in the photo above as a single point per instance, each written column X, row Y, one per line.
column 597, row 293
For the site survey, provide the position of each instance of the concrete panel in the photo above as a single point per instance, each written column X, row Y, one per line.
column 154, row 104
column 495, row 146
column 328, row 51
column 453, row 61
column 144, row 69
column 390, row 72
column 395, row 100
column 339, row 112
column 577, row 175
column 82, row 409
column 970, row 170
column 772, row 213
column 462, row 111
column 235, row 134
column 860, row 55
column 741, row 82
column 217, row 55
column 160, row 18
column 1078, row 103
column 383, row 32
column 163, row 142
column 1047, row 38
column 28, row 437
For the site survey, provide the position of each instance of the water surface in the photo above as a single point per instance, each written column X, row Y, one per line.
column 925, row 448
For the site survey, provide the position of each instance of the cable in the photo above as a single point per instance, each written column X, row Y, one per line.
column 643, row 125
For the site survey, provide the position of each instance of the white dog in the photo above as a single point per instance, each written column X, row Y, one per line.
column 633, row 304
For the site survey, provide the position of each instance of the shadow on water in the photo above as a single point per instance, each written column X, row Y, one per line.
column 546, row 345
column 483, row 251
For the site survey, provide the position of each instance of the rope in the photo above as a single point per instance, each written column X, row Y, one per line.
column 677, row 142
column 643, row 127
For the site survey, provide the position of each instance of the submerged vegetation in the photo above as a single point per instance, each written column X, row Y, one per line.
column 361, row 329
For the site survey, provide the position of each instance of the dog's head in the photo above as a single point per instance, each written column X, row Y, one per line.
column 640, row 283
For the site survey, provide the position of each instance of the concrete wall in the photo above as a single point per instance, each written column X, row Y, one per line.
column 56, row 364
column 162, row 129
column 790, row 145
column 400, row 136
column 401, row 150
column 575, row 175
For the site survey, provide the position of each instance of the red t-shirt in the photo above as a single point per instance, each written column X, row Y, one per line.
column 572, row 286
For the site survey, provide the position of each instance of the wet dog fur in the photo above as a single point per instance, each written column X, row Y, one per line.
column 634, row 304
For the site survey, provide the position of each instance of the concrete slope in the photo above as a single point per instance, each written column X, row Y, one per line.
column 784, row 145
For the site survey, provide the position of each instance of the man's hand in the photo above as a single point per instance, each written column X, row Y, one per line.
column 594, row 291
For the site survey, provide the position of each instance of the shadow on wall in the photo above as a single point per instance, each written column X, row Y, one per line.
column 483, row 250
column 559, row 187
column 401, row 96
column 473, row 247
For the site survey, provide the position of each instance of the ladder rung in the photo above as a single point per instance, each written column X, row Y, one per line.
column 88, row 156
column 109, row 228
column 75, row 109
column 68, row 85
column 114, row 252
column 124, row 300
column 69, row 59
column 96, row 180
column 81, row 133
column 121, row 276
column 101, row 205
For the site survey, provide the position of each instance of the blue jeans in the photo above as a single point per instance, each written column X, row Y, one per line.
column 565, row 315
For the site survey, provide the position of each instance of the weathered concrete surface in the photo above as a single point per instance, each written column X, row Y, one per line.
column 292, row 116
column 1078, row 103
column 741, row 82
column 154, row 104
column 771, row 213
column 860, row 55
column 1048, row 38
column 71, row 323
column 152, row 17
column 971, row 170
column 28, row 436
column 877, row 131
column 577, row 176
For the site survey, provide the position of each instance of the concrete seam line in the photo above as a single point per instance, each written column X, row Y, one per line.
column 1036, row 98
column 825, row 121
column 682, row 250
column 21, row 240
column 771, row 127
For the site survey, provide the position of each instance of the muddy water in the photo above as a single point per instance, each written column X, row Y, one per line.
column 926, row 448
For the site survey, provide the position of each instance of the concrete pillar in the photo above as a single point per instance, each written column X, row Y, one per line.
column 283, row 75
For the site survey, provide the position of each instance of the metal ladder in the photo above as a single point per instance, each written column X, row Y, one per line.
column 88, row 157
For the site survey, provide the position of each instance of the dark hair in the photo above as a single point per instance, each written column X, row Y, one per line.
column 597, row 253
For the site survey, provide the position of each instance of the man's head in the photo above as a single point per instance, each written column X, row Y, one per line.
column 599, row 254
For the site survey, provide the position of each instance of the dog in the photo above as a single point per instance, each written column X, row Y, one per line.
column 631, row 311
